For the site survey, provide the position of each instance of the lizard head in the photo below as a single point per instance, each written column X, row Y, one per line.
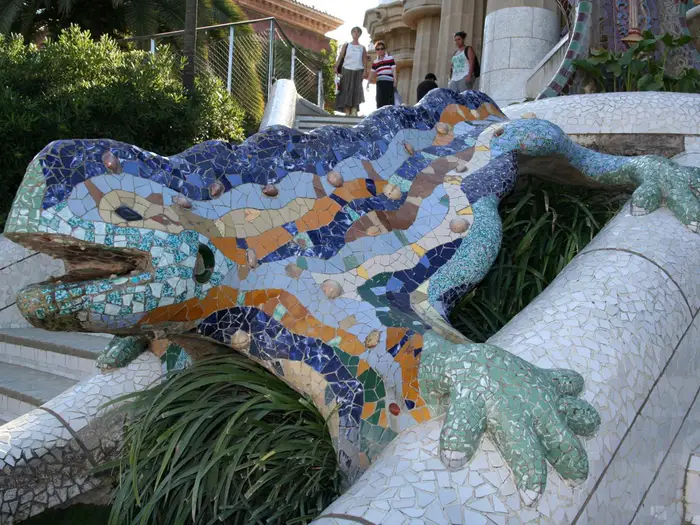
column 148, row 241
column 126, row 252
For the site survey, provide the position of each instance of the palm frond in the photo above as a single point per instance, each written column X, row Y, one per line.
column 10, row 11
column 141, row 16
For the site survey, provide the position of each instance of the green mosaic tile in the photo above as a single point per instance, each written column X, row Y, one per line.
column 350, row 262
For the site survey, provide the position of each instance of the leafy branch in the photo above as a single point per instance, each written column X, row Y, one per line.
column 638, row 68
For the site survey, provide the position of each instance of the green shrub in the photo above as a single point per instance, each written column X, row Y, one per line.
column 638, row 68
column 79, row 88
column 224, row 441
column 544, row 227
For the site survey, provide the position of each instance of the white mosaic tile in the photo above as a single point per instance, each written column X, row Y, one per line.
column 638, row 112
column 31, row 445
column 616, row 318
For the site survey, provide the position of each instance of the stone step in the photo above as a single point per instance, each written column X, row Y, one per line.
column 66, row 354
column 309, row 123
column 23, row 389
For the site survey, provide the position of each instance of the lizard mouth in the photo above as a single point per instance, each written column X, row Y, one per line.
column 91, row 270
column 85, row 261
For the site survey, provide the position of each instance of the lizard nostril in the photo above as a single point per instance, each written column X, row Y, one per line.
column 394, row 409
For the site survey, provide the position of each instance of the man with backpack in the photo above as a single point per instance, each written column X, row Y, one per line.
column 465, row 65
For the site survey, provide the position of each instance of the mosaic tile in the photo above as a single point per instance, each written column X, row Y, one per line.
column 340, row 284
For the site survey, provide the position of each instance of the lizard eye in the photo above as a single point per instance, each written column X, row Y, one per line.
column 204, row 267
column 128, row 214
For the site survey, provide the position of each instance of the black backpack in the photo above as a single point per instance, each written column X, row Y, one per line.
column 477, row 66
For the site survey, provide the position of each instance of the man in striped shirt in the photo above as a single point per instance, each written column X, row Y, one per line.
column 384, row 74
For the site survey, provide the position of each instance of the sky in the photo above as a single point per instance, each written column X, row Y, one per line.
column 353, row 12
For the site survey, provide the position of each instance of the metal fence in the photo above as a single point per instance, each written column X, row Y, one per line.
column 248, row 57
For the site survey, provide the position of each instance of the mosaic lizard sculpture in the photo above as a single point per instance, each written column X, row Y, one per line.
column 333, row 259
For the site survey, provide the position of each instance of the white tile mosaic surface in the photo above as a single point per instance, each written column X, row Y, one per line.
column 691, row 490
column 638, row 112
column 32, row 445
column 620, row 320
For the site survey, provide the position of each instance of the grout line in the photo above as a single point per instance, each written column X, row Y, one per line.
column 666, row 272
column 19, row 261
column 631, row 426
column 656, row 474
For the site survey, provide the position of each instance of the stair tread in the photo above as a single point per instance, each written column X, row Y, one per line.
column 338, row 120
column 31, row 386
column 70, row 343
column 325, row 117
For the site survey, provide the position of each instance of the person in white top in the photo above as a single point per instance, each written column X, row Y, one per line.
column 352, row 66
column 463, row 65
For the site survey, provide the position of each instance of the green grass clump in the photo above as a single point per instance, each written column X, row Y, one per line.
column 544, row 227
column 224, row 441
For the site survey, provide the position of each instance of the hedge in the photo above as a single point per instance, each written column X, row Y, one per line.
column 75, row 87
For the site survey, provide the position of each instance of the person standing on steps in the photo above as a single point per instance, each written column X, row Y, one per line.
column 384, row 74
column 426, row 86
column 351, row 65
column 465, row 67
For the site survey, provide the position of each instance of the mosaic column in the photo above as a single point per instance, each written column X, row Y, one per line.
column 633, row 33
column 424, row 17
column 517, row 35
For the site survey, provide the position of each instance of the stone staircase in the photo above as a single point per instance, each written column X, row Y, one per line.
column 36, row 365
column 309, row 123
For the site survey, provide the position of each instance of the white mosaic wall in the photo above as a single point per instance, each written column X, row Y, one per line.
column 642, row 112
column 625, row 315
column 32, row 445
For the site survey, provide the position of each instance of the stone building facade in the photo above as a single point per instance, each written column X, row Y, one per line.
column 304, row 25
column 510, row 36
column 521, row 43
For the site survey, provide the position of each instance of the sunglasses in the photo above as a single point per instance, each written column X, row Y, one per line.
column 381, row 48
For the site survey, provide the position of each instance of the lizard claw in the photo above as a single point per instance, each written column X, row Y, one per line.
column 664, row 180
column 121, row 351
column 532, row 414
column 646, row 198
column 454, row 459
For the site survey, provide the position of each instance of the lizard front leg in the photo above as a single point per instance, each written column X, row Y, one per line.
column 121, row 351
column 656, row 180
column 532, row 414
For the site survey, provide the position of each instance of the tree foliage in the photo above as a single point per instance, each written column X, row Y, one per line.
column 108, row 17
column 77, row 87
